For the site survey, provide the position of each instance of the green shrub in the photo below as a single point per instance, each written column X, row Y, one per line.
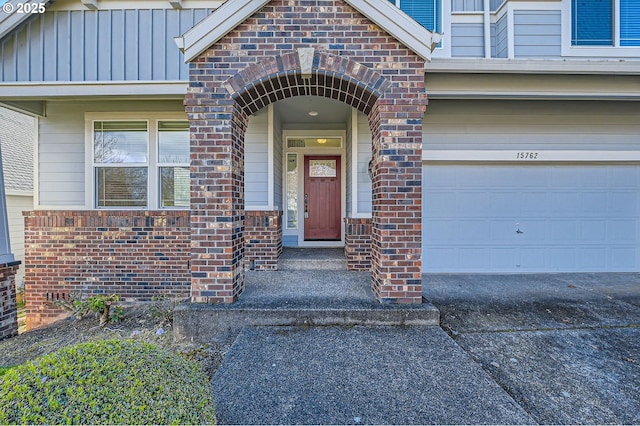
column 107, row 382
column 3, row 370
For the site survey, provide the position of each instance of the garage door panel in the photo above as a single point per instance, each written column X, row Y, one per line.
column 593, row 231
column 623, row 258
column 622, row 231
column 623, row 203
column 593, row 204
column 593, row 259
column 575, row 217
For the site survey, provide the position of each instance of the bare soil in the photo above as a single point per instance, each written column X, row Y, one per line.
column 146, row 322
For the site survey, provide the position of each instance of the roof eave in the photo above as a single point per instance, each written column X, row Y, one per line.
column 232, row 13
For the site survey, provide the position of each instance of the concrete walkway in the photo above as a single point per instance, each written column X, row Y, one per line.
column 559, row 348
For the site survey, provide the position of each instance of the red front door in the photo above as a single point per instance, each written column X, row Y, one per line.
column 322, row 198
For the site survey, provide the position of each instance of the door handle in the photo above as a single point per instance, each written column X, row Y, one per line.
column 518, row 231
column 306, row 206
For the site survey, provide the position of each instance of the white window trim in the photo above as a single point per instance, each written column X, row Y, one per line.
column 444, row 50
column 299, row 231
column 153, row 166
column 602, row 51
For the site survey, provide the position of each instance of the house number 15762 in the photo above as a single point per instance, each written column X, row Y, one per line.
column 527, row 155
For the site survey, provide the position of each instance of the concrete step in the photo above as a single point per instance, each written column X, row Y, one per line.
column 309, row 259
column 206, row 323
column 312, row 264
column 307, row 298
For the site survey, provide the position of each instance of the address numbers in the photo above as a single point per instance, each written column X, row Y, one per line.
column 526, row 155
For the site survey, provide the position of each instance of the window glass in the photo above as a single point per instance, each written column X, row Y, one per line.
column 174, row 186
column 292, row 191
column 173, row 142
column 426, row 12
column 120, row 142
column 121, row 186
column 592, row 22
column 629, row 23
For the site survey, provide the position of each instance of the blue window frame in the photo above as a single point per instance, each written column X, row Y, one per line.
column 428, row 13
column 593, row 22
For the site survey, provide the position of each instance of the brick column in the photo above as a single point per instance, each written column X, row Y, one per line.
column 217, row 192
column 397, row 201
column 8, row 307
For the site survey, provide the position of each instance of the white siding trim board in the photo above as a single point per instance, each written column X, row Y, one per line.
column 531, row 156
column 111, row 89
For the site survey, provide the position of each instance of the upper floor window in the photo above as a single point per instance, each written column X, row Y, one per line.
column 605, row 22
column 428, row 13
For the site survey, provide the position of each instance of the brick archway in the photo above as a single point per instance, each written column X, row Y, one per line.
column 228, row 82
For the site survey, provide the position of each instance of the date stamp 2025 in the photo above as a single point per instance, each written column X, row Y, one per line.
column 22, row 8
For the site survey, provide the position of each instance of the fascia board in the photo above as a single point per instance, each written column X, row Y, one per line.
column 232, row 13
column 49, row 90
column 398, row 24
column 533, row 66
column 215, row 26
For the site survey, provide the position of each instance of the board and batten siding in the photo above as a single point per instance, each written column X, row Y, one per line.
column 364, row 156
column 523, row 125
column 61, row 151
column 467, row 40
column 537, row 33
column 256, row 160
column 98, row 45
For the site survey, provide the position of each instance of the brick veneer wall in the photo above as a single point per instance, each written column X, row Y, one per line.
column 262, row 239
column 257, row 63
column 136, row 254
column 357, row 243
column 8, row 307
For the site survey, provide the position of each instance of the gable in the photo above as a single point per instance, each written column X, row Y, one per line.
column 382, row 13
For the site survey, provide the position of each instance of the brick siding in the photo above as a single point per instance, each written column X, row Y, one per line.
column 357, row 243
column 256, row 64
column 136, row 254
column 8, row 307
column 262, row 239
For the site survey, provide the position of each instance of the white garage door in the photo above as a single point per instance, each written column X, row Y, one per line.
column 528, row 218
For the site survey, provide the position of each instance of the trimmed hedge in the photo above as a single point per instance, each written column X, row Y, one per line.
column 107, row 382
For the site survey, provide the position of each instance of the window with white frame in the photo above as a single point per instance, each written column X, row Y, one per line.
column 141, row 163
column 605, row 23
column 428, row 13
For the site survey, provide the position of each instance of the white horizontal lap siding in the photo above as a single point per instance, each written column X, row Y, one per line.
column 467, row 40
column 521, row 125
column 106, row 45
column 256, row 160
column 16, row 204
column 61, row 147
column 502, row 38
column 537, row 33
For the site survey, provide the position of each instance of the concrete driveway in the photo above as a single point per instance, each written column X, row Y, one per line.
column 516, row 349
column 565, row 347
